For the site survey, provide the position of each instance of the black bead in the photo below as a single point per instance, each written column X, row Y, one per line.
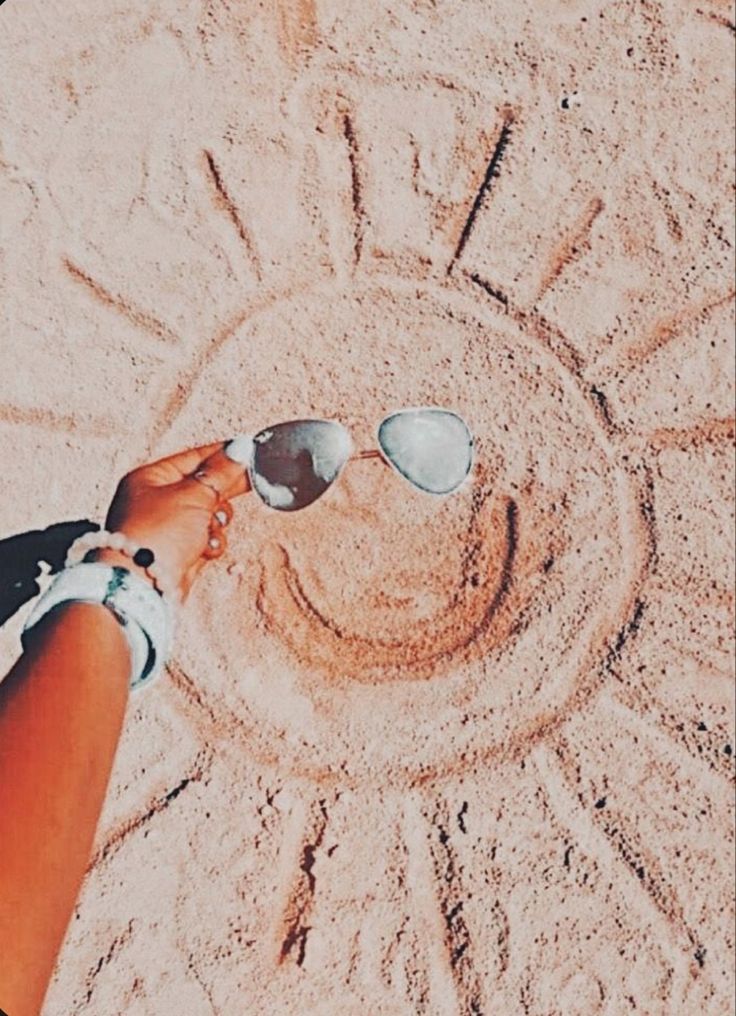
column 143, row 557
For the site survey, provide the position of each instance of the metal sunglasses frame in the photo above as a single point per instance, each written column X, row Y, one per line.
column 369, row 453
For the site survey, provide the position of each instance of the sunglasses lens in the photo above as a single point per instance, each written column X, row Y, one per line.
column 432, row 448
column 294, row 463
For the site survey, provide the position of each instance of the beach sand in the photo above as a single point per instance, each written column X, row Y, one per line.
column 411, row 755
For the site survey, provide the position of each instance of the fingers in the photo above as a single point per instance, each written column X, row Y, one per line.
column 220, row 518
column 224, row 513
column 223, row 475
column 213, row 468
column 184, row 462
column 216, row 543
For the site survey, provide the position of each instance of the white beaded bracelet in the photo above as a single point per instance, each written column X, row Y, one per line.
column 102, row 539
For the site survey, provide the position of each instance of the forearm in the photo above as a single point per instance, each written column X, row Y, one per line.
column 61, row 713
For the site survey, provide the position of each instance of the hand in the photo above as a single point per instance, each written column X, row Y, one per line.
column 163, row 507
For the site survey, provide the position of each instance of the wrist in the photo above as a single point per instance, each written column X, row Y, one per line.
column 146, row 617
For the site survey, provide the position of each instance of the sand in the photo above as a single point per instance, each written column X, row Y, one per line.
column 411, row 755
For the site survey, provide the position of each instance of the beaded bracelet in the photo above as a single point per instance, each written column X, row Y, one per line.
column 142, row 556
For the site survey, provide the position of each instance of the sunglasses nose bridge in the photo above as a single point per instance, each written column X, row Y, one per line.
column 362, row 458
column 367, row 453
column 355, row 493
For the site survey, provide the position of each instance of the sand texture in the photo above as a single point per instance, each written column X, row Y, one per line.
column 412, row 756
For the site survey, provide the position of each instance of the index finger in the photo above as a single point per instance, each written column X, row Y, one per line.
column 187, row 461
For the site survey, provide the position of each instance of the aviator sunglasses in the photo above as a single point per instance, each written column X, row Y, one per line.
column 290, row 465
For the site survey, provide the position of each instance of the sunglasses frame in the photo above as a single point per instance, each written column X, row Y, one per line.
column 369, row 453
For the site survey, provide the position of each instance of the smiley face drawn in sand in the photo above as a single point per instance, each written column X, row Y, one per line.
column 357, row 626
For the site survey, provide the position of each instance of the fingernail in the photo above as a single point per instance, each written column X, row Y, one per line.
column 214, row 543
column 221, row 517
column 240, row 449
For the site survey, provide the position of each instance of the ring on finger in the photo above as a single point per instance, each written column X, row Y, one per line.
column 201, row 477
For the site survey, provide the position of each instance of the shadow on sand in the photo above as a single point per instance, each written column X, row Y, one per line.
column 20, row 558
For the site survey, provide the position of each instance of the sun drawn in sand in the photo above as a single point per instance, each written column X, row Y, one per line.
column 474, row 722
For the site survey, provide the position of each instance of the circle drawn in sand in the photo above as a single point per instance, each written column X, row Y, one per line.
column 380, row 622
